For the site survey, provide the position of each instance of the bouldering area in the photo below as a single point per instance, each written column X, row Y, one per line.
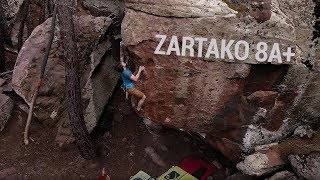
column 231, row 86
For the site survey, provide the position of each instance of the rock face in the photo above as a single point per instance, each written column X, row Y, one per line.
column 104, row 7
column 98, row 78
column 236, row 104
column 2, row 81
column 306, row 166
column 6, row 106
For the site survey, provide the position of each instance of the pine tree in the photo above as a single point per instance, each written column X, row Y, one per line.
column 73, row 93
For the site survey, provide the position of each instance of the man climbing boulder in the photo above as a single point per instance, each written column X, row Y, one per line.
column 129, row 78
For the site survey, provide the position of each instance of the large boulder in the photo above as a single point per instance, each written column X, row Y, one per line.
column 235, row 104
column 6, row 106
column 98, row 78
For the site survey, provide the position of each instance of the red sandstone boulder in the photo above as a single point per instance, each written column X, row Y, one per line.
column 236, row 105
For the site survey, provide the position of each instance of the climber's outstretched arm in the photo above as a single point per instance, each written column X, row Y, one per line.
column 137, row 76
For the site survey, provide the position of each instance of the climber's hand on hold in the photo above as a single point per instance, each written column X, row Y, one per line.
column 136, row 77
column 141, row 68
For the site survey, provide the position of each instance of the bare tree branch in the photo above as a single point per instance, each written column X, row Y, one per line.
column 43, row 67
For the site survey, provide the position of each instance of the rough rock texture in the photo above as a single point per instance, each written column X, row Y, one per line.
column 2, row 81
column 239, row 176
column 10, row 174
column 304, row 131
column 307, row 166
column 283, row 175
column 237, row 106
column 12, row 8
column 259, row 164
column 104, row 7
column 97, row 76
column 6, row 106
column 268, row 158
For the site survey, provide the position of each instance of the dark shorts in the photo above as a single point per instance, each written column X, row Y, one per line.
column 135, row 92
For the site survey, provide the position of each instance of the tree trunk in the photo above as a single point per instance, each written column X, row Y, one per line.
column 29, row 23
column 3, row 34
column 2, row 55
column 73, row 91
column 3, row 23
column 24, row 15
column 42, row 18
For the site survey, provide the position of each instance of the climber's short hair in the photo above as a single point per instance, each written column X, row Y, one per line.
column 118, row 67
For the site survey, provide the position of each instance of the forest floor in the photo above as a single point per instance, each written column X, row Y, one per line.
column 122, row 155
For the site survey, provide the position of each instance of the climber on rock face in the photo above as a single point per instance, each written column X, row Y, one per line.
column 129, row 78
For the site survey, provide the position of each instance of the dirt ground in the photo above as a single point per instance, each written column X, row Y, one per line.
column 123, row 154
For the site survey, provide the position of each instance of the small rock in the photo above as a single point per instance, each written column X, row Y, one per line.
column 263, row 97
column 154, row 156
column 229, row 171
column 107, row 135
column 152, row 127
column 24, row 108
column 8, row 88
column 217, row 164
column 264, row 147
column 304, row 132
column 307, row 166
column 283, row 175
column 6, row 106
column 259, row 164
column 2, row 81
column 186, row 139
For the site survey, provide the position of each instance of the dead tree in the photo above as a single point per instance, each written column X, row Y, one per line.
column 73, row 93
column 47, row 8
column 24, row 15
column 29, row 23
column 3, row 34
column 44, row 11
column 43, row 67
column 2, row 55
column 3, row 23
